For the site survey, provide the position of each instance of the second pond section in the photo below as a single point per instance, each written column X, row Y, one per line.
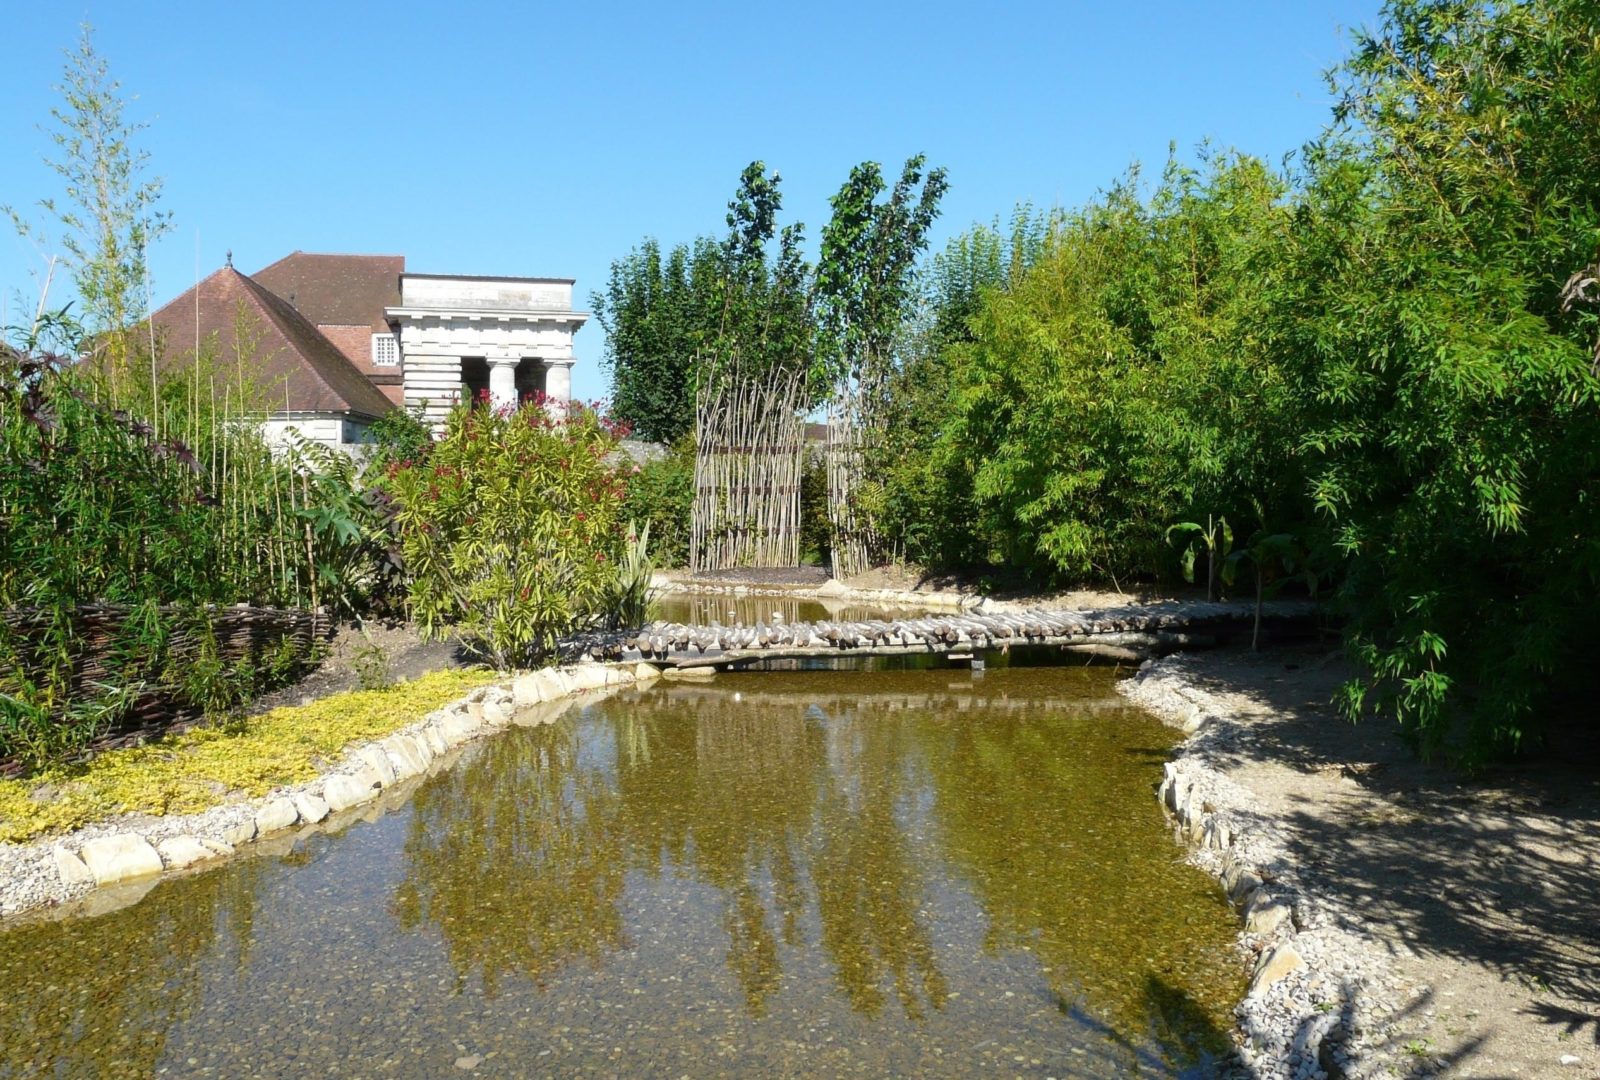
column 864, row 873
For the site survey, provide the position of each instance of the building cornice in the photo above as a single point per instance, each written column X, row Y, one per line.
column 422, row 314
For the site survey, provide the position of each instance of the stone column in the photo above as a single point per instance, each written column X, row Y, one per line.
column 503, row 382
column 558, row 381
column 434, row 380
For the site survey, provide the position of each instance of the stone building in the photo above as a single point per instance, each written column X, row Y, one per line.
column 341, row 339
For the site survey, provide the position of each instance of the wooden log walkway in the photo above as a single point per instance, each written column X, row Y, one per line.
column 1122, row 633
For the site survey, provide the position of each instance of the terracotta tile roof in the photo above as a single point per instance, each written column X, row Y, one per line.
column 291, row 362
column 336, row 290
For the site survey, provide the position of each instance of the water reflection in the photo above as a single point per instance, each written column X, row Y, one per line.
column 837, row 806
column 867, row 873
column 143, row 984
column 517, row 859
column 871, row 897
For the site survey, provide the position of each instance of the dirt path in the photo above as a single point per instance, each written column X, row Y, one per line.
column 383, row 652
column 1487, row 891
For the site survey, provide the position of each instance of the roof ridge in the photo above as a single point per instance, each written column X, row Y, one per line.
column 281, row 259
column 335, row 255
column 186, row 294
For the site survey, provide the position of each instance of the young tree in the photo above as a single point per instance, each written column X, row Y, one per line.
column 865, row 279
column 658, row 312
column 755, row 385
column 107, row 215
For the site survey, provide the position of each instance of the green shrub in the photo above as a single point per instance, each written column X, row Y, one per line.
column 1110, row 384
column 398, row 435
column 660, row 499
column 510, row 530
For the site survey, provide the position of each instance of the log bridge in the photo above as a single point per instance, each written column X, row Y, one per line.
column 1129, row 633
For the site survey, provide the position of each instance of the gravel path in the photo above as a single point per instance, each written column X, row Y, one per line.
column 1448, row 927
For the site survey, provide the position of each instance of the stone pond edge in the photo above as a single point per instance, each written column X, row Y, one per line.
column 105, row 865
column 1321, row 996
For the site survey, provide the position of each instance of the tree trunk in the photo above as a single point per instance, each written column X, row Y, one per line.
column 1255, row 633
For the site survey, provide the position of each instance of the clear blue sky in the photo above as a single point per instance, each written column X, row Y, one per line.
column 547, row 139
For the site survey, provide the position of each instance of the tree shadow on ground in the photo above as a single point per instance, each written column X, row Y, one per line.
column 1182, row 1042
column 1499, row 871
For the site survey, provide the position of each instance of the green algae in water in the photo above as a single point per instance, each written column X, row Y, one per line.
column 870, row 873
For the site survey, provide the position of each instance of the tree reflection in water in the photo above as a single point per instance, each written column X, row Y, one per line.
column 870, row 894
column 100, row 996
column 517, row 858
column 728, row 796
column 844, row 816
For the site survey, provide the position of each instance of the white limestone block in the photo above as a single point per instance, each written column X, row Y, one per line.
column 312, row 808
column 1274, row 966
column 378, row 762
column 120, row 857
column 410, row 757
column 557, row 683
column 589, row 677
column 434, row 740
column 72, row 869
column 344, row 791
column 527, row 690
column 1265, row 914
column 181, row 851
column 276, row 816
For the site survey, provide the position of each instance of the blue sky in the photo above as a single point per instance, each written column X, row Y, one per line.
column 543, row 139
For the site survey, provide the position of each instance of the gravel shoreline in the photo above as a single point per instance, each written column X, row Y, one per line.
column 1324, row 994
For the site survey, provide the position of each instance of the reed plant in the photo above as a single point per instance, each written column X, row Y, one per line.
column 156, row 494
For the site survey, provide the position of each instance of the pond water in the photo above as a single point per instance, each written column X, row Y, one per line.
column 911, row 873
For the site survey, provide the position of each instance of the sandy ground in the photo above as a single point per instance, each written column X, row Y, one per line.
column 1485, row 890
column 402, row 655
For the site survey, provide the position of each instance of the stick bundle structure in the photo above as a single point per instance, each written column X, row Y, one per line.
column 750, row 439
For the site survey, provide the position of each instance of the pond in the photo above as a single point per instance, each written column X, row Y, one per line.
column 855, row 873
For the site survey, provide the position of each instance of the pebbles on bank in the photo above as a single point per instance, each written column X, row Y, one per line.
column 1322, row 994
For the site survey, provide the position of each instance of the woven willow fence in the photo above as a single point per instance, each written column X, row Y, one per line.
column 750, row 440
column 240, row 633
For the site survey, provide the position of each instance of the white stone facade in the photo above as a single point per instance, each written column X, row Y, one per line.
column 338, row 431
column 511, row 335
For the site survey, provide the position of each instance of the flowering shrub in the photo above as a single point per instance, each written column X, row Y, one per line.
column 510, row 529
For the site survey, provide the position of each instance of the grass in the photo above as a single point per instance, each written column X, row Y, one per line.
column 205, row 767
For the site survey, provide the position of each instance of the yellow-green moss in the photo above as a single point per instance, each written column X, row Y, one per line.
column 191, row 772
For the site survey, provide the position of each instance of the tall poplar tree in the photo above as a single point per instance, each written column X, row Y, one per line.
column 865, row 283
column 108, row 216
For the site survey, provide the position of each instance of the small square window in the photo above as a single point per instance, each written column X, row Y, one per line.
column 385, row 350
